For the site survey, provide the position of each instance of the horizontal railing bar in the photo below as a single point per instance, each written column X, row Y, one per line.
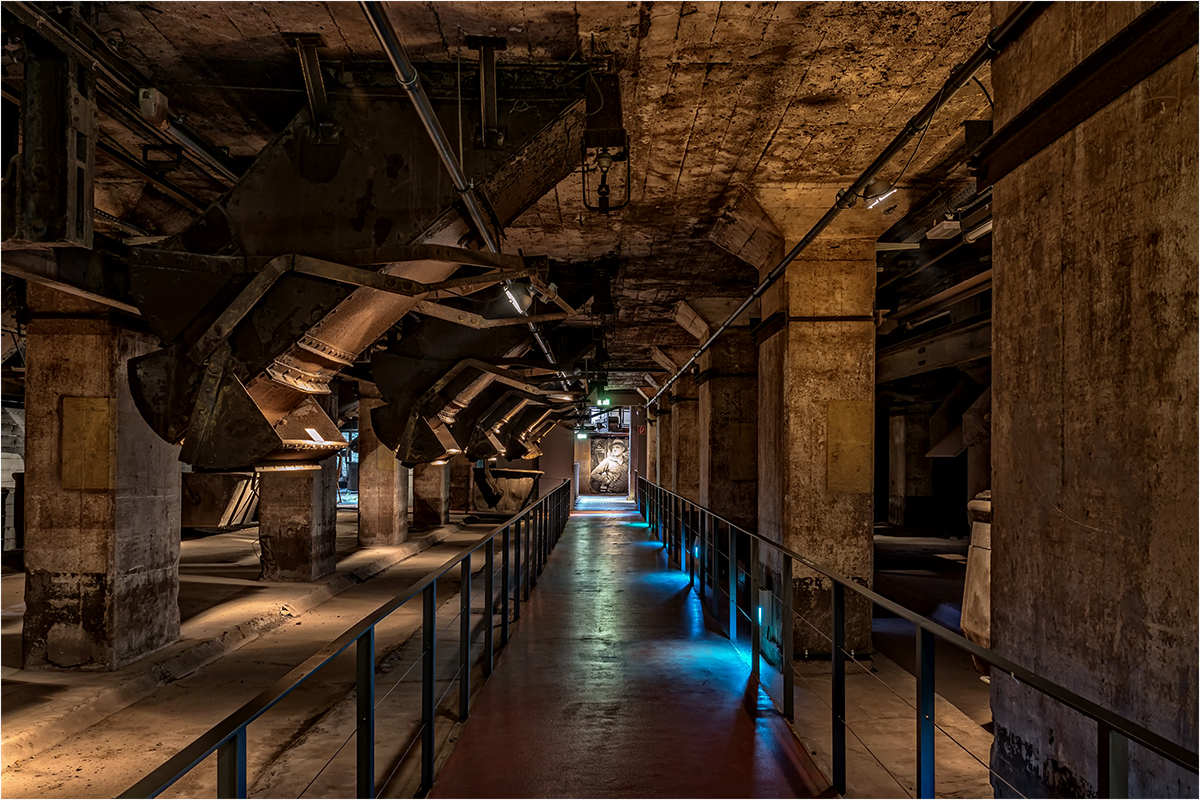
column 188, row 758
column 1131, row 730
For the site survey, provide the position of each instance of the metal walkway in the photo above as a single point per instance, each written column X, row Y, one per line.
column 615, row 687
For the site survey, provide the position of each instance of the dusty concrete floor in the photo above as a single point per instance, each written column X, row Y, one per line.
column 926, row 574
column 218, row 593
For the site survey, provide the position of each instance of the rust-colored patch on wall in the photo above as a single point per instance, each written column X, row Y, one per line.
column 849, row 436
column 86, row 447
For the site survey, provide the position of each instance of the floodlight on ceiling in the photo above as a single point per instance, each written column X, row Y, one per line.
column 877, row 191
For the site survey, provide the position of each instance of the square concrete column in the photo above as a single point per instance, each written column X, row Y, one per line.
column 297, row 518
column 910, row 472
column 666, row 439
column 815, row 434
column 102, row 496
column 431, row 495
column 685, row 443
column 652, row 426
column 728, row 428
column 460, row 481
column 382, row 482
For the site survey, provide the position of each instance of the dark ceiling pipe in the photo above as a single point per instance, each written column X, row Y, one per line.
column 1000, row 37
column 407, row 75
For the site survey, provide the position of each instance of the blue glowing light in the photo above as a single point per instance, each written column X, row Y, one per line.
column 697, row 551
column 760, row 615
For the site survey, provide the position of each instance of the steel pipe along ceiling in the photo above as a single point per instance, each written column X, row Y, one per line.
column 408, row 77
column 1000, row 37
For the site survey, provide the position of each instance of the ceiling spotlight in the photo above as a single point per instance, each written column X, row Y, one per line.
column 877, row 191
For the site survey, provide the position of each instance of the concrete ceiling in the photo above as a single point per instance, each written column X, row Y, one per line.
column 789, row 101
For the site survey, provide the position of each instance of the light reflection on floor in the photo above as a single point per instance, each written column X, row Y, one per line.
column 616, row 684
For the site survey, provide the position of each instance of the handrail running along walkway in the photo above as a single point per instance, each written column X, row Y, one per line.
column 537, row 527
column 689, row 532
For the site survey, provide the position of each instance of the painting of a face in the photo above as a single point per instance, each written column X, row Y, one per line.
column 610, row 466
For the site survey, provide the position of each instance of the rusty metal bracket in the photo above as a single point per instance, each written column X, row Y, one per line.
column 489, row 135
column 306, row 44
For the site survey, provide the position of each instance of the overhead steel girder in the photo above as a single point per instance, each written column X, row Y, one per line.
column 409, row 423
column 366, row 200
column 183, row 389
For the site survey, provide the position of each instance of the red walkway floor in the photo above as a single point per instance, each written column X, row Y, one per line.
column 613, row 686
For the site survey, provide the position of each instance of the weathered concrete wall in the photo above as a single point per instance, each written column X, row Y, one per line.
column 728, row 428
column 460, row 481
column 816, row 430
column 652, row 430
column 1094, row 560
column 102, row 496
column 557, row 459
column 297, row 516
column 910, row 473
column 382, row 483
column 431, row 495
column 666, row 439
column 685, row 439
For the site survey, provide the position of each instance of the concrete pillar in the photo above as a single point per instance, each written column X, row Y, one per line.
column 652, row 428
column 382, row 482
column 815, row 434
column 1094, row 416
column 666, row 439
column 297, row 523
column 728, row 428
column 460, row 481
column 685, row 443
column 431, row 495
column 102, row 496
column 910, row 472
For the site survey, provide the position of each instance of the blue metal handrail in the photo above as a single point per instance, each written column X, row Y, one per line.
column 679, row 522
column 542, row 524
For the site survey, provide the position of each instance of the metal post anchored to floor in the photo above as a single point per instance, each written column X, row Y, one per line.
column 786, row 632
column 733, row 581
column 753, row 606
column 428, row 675
column 505, row 583
column 365, row 691
column 517, row 580
column 925, row 713
column 464, row 640
column 231, row 766
column 1112, row 762
column 837, row 656
column 489, row 591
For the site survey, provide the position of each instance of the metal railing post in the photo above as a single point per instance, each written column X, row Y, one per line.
column 786, row 632
column 733, row 582
column 753, row 606
column 489, row 591
column 231, row 766
column 505, row 583
column 713, row 529
column 517, row 579
column 365, row 697
column 428, row 674
column 527, row 559
column 1112, row 762
column 925, row 713
column 693, row 516
column 837, row 657
column 464, row 639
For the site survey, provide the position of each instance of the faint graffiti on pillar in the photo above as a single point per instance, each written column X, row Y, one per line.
column 610, row 475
